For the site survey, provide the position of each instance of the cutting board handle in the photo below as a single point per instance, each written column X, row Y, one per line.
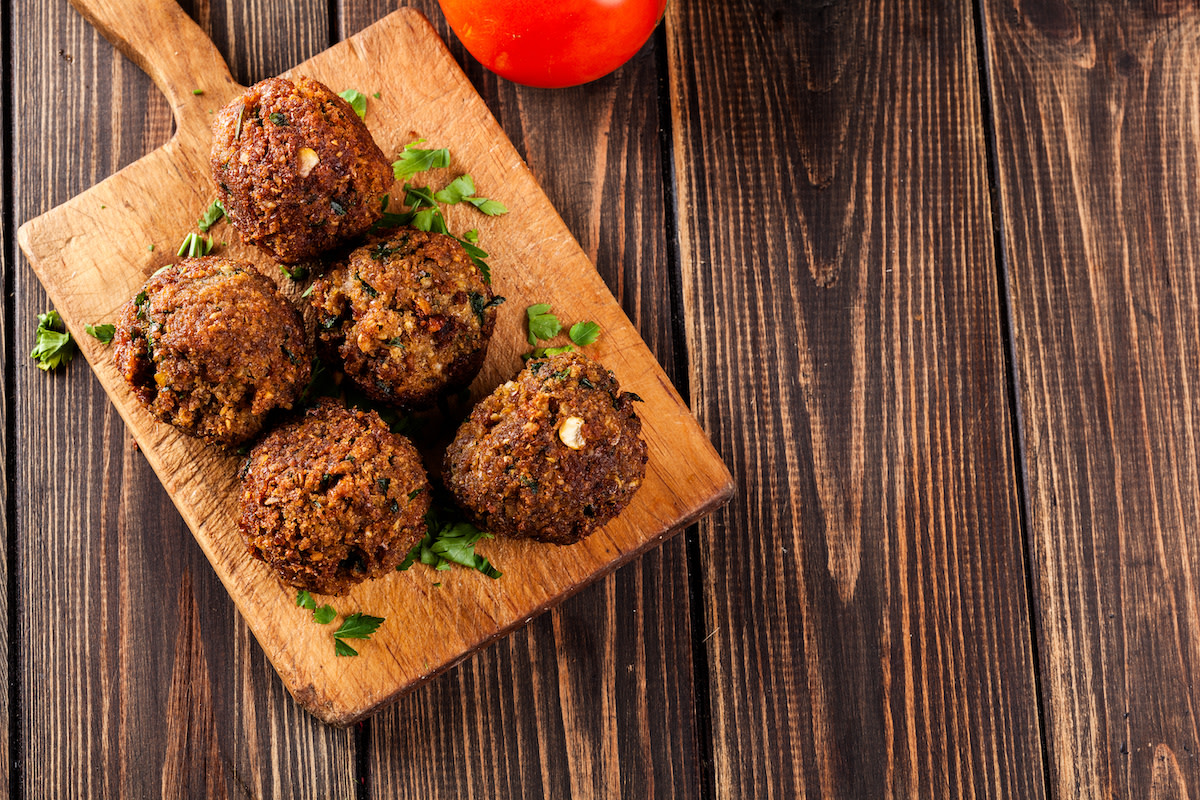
column 162, row 39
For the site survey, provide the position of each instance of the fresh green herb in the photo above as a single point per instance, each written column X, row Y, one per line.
column 547, row 352
column 150, row 248
column 194, row 246
column 337, row 208
column 308, row 291
column 357, row 101
column 305, row 600
column 423, row 220
column 52, row 343
column 459, row 188
column 375, row 95
column 358, row 626
column 542, row 324
column 419, row 196
column 477, row 254
column 368, row 288
column 278, row 119
column 479, row 305
column 493, row 208
column 413, row 494
column 472, row 236
column 450, row 540
column 396, row 341
column 584, row 333
column 297, row 273
column 324, row 615
column 102, row 332
column 102, row 206
column 197, row 91
column 211, row 216
column 413, row 160
column 342, row 649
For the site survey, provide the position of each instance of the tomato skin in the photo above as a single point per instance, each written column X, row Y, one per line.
column 553, row 43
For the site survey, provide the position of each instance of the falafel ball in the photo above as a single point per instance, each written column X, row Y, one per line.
column 296, row 169
column 551, row 455
column 210, row 346
column 409, row 316
column 333, row 498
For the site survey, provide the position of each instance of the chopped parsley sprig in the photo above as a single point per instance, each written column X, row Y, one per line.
column 104, row 333
column 449, row 539
column 355, row 626
column 53, row 345
column 357, row 101
column 211, row 216
column 544, row 326
column 423, row 211
column 414, row 159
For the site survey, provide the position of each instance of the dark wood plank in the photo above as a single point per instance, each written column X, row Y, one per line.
column 8, row 249
column 1095, row 107
column 137, row 678
column 865, row 590
column 593, row 699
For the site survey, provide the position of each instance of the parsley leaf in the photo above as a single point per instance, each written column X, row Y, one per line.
column 305, row 600
column 413, row 160
column 584, row 333
column 53, row 345
column 461, row 187
column 542, row 324
column 493, row 208
column 357, row 101
column 450, row 540
column 419, row 196
column 324, row 615
column 546, row 352
column 211, row 216
column 343, row 649
column 102, row 332
column 358, row 626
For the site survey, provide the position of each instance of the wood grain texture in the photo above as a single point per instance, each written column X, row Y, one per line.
column 534, row 258
column 593, row 699
column 865, row 589
column 137, row 678
column 1098, row 139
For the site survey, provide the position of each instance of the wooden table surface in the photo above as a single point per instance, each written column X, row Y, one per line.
column 926, row 274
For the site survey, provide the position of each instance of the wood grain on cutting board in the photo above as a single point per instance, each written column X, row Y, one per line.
column 92, row 255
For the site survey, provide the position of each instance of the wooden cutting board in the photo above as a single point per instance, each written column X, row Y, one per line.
column 93, row 253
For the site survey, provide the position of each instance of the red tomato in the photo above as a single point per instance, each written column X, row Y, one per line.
column 553, row 43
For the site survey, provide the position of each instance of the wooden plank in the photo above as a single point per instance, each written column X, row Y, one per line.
column 1098, row 148
column 865, row 589
column 534, row 259
column 595, row 698
column 8, row 249
column 137, row 678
